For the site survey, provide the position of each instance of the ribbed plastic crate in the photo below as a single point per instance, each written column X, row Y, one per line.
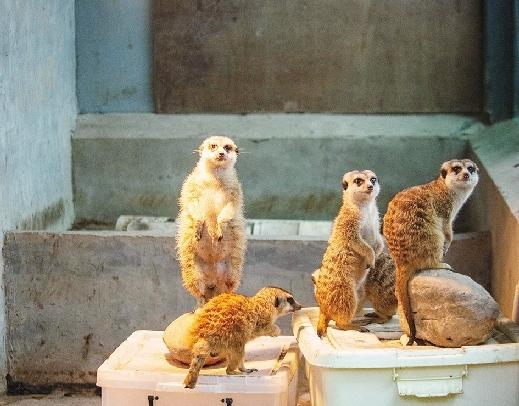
column 140, row 372
column 343, row 372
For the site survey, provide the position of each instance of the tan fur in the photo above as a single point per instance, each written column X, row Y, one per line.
column 227, row 322
column 211, row 228
column 380, row 288
column 418, row 227
column 352, row 248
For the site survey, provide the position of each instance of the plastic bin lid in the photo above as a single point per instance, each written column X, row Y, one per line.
column 340, row 350
column 143, row 362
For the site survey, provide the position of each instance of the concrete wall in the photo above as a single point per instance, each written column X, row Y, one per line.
column 291, row 166
column 37, row 116
column 74, row 297
column 114, row 55
column 497, row 152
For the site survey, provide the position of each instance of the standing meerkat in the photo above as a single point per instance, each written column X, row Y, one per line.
column 228, row 321
column 353, row 246
column 418, row 227
column 211, row 228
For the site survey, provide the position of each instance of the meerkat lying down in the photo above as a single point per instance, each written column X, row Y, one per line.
column 228, row 321
column 418, row 226
column 353, row 246
column 211, row 228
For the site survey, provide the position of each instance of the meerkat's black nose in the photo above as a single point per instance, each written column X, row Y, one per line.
column 466, row 176
column 370, row 187
column 221, row 154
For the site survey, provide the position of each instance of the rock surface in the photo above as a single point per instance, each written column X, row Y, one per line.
column 450, row 309
column 175, row 338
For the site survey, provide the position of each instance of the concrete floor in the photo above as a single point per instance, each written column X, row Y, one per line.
column 58, row 398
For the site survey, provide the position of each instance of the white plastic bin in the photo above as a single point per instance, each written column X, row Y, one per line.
column 140, row 372
column 364, row 374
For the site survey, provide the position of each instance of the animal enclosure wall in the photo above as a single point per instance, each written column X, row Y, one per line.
column 356, row 56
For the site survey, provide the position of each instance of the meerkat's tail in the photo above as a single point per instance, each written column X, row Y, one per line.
column 402, row 293
column 322, row 324
column 200, row 355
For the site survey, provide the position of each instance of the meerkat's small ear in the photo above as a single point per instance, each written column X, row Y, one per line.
column 443, row 172
column 276, row 302
column 476, row 167
column 344, row 185
column 237, row 150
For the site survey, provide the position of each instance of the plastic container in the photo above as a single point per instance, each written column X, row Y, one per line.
column 359, row 373
column 141, row 372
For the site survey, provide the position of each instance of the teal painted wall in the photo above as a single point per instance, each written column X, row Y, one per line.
column 113, row 42
column 37, row 116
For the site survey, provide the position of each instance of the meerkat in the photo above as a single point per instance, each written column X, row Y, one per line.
column 211, row 227
column 352, row 248
column 228, row 321
column 418, row 227
column 379, row 290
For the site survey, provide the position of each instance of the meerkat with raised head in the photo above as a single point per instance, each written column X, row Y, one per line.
column 228, row 321
column 418, row 227
column 211, row 228
column 352, row 248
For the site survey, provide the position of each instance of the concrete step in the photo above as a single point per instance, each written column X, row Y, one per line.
column 291, row 166
column 73, row 297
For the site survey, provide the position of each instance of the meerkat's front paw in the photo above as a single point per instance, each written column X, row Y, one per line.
column 220, row 226
column 199, row 230
column 248, row 370
column 232, row 372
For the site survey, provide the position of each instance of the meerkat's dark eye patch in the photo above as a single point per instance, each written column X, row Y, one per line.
column 212, row 147
column 456, row 169
column 373, row 180
column 358, row 181
column 471, row 169
column 291, row 300
column 228, row 148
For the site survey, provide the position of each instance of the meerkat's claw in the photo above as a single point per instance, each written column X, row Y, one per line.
column 248, row 370
column 199, row 230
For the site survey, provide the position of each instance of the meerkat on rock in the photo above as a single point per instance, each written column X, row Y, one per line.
column 211, row 228
column 353, row 246
column 418, row 227
column 227, row 322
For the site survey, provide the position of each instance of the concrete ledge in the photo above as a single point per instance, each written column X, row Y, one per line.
column 291, row 166
column 496, row 207
column 73, row 297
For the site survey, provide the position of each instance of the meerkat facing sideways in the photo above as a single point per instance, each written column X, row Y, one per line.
column 228, row 321
column 211, row 228
column 353, row 246
column 418, row 227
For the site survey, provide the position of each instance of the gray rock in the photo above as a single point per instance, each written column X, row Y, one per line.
column 450, row 309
